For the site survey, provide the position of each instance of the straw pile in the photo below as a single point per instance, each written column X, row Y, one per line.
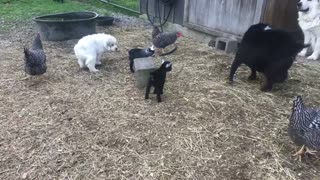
column 70, row 124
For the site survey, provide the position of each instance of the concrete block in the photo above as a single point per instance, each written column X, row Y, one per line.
column 143, row 67
column 227, row 45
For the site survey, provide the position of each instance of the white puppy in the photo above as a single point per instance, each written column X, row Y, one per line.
column 89, row 49
column 309, row 21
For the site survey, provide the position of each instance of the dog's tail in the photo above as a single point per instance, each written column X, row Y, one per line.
column 300, row 46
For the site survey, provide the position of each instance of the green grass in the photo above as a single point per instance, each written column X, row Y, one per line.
column 131, row 4
column 15, row 10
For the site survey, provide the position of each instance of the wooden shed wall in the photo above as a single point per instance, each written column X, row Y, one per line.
column 227, row 16
column 176, row 15
column 230, row 17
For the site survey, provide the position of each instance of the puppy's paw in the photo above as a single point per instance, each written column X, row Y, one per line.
column 94, row 71
column 313, row 57
column 302, row 53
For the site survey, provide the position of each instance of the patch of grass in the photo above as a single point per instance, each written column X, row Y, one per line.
column 131, row 4
column 14, row 10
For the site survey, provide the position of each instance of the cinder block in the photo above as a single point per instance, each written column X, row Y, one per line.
column 226, row 45
column 143, row 67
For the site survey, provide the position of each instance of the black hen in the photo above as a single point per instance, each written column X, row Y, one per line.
column 35, row 58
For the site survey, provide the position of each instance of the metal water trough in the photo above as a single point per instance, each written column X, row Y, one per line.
column 65, row 26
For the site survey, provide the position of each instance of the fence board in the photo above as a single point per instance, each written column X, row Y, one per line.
column 232, row 17
column 176, row 15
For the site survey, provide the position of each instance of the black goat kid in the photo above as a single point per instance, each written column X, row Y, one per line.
column 139, row 53
column 157, row 79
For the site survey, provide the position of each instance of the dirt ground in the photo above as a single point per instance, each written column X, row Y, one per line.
column 70, row 124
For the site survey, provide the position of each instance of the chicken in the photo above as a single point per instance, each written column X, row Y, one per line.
column 35, row 58
column 155, row 31
column 164, row 39
column 304, row 128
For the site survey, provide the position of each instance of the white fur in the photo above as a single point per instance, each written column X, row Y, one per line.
column 89, row 49
column 309, row 21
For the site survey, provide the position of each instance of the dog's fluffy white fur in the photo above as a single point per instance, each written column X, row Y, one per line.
column 89, row 49
column 309, row 21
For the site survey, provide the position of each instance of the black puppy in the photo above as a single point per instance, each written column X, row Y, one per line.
column 266, row 50
column 157, row 79
column 139, row 53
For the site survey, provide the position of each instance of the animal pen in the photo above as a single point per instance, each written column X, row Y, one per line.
column 226, row 17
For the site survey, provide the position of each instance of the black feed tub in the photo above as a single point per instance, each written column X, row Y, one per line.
column 104, row 20
column 64, row 26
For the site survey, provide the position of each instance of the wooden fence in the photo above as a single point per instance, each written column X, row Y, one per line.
column 176, row 15
column 221, row 17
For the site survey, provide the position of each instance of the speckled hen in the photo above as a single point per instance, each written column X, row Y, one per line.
column 35, row 58
column 155, row 31
column 304, row 128
column 164, row 39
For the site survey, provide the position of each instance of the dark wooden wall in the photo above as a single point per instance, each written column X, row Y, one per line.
column 283, row 14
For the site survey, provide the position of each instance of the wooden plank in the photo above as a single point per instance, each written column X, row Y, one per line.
column 176, row 16
column 186, row 11
column 178, row 12
column 232, row 17
column 211, row 31
column 281, row 14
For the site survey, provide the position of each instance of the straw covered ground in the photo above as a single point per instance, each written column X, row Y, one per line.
column 70, row 124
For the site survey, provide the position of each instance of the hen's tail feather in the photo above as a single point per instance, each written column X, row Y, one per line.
column 26, row 52
column 37, row 44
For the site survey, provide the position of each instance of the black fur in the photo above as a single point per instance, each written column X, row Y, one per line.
column 268, row 51
column 61, row 1
column 138, row 53
column 157, row 79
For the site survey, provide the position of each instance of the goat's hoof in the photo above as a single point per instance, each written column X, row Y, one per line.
column 266, row 89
